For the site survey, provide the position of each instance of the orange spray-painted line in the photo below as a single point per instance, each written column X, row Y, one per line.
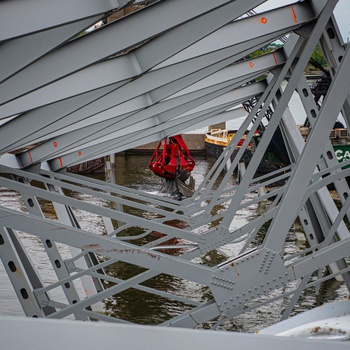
column 274, row 58
column 30, row 157
column 294, row 15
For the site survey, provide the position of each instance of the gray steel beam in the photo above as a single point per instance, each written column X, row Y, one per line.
column 321, row 258
column 50, row 247
column 288, row 18
column 183, row 74
column 299, row 69
column 123, row 34
column 112, row 115
column 106, row 147
column 256, row 31
column 123, row 217
column 19, row 53
column 313, row 216
column 205, row 187
column 302, row 173
column 106, row 246
column 22, row 273
column 113, row 188
column 130, row 92
column 63, row 114
column 176, row 83
column 169, row 338
column 129, row 125
column 328, row 159
column 166, row 337
column 333, row 49
column 40, row 15
column 265, row 100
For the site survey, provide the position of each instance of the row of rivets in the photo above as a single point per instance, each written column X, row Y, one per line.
column 222, row 285
column 223, row 279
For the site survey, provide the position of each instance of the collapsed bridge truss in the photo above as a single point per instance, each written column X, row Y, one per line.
column 162, row 68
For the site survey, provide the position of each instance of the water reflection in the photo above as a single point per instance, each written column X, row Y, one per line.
column 144, row 307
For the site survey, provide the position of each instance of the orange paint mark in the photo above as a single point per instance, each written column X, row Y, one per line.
column 263, row 20
column 55, row 144
column 274, row 58
column 60, row 160
column 30, row 157
column 79, row 153
column 251, row 64
column 294, row 15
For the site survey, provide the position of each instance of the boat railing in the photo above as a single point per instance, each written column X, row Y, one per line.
column 219, row 132
column 337, row 135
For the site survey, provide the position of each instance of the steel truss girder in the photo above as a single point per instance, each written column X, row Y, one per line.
column 329, row 108
column 205, row 187
column 50, row 97
column 122, row 68
column 285, row 24
column 328, row 156
column 123, row 217
column 333, row 49
column 56, row 92
column 51, row 197
column 123, row 198
column 122, row 132
column 196, row 91
column 221, row 273
column 63, row 114
column 233, row 283
column 319, row 207
column 38, row 14
column 265, row 99
column 299, row 68
column 159, row 18
column 101, row 101
column 61, row 271
column 17, row 272
column 17, row 54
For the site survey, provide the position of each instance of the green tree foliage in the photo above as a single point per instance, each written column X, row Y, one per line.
column 259, row 52
column 317, row 55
